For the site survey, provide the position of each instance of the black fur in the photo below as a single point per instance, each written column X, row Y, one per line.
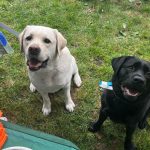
column 129, row 102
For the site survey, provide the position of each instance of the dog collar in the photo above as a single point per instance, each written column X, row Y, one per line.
column 105, row 85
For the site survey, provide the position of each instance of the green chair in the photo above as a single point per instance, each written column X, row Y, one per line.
column 35, row 140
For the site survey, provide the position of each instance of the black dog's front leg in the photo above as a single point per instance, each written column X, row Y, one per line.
column 95, row 126
column 129, row 145
column 143, row 123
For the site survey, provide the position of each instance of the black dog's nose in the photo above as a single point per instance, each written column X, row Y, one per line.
column 138, row 79
column 34, row 50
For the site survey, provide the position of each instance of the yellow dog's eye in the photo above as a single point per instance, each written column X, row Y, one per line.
column 29, row 38
column 47, row 41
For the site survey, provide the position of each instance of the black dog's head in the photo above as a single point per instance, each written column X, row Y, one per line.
column 131, row 77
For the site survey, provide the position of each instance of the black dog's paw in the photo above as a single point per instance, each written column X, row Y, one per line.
column 130, row 146
column 142, row 124
column 93, row 127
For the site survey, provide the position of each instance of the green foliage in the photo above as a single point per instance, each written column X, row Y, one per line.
column 96, row 31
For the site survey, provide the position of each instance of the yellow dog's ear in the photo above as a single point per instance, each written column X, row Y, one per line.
column 21, row 35
column 61, row 41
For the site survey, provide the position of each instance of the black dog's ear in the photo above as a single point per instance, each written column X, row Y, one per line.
column 118, row 62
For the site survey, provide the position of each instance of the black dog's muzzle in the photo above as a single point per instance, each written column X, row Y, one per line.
column 134, row 87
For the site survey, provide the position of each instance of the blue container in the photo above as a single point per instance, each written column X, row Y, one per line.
column 4, row 45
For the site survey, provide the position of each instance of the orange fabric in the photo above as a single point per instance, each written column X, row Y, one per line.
column 3, row 135
column 1, row 114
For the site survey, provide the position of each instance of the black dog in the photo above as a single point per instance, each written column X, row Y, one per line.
column 129, row 102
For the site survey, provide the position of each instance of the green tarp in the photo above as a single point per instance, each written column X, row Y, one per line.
column 21, row 136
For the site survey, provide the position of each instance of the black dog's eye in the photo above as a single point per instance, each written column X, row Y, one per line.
column 29, row 38
column 47, row 41
column 131, row 68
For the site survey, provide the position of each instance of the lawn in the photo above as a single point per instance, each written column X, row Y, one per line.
column 96, row 32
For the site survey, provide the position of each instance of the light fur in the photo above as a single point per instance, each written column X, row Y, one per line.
column 60, row 69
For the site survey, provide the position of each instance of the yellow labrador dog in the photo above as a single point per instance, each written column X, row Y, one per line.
column 50, row 64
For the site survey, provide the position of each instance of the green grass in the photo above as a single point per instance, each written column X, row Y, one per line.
column 95, row 34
